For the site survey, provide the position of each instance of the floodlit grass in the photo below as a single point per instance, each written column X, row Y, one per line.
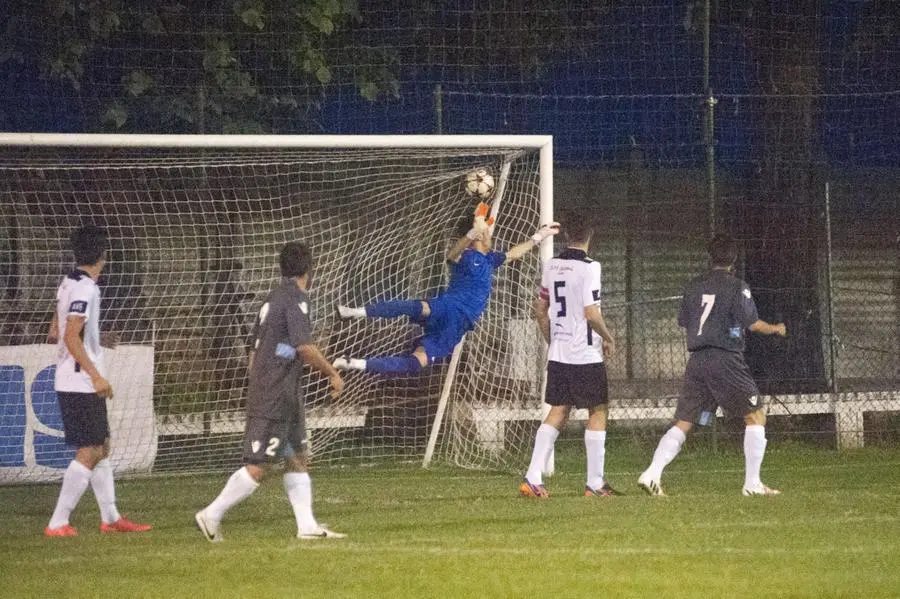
column 453, row 533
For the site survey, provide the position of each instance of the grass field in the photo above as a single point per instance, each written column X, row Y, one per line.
column 451, row 533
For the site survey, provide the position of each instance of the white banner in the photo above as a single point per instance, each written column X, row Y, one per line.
column 32, row 447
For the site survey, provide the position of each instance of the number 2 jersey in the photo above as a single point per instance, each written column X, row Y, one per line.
column 716, row 310
column 571, row 282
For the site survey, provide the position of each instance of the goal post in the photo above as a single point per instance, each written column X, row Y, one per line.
column 196, row 223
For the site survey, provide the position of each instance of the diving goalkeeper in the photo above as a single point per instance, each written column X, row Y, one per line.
column 447, row 317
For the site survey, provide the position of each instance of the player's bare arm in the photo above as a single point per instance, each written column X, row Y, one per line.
column 53, row 331
column 543, row 232
column 72, row 339
column 458, row 248
column 312, row 356
column 764, row 328
column 541, row 305
column 598, row 324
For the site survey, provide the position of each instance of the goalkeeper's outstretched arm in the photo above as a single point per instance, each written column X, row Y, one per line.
column 540, row 235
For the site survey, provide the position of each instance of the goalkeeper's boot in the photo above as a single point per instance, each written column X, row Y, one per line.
column 349, row 364
column 650, row 486
column 348, row 312
column 123, row 524
column 321, row 532
column 526, row 489
column 209, row 527
column 760, row 491
column 65, row 530
column 604, row 491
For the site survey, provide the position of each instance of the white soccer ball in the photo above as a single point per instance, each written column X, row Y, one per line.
column 480, row 183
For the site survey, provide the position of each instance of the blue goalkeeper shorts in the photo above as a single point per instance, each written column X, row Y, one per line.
column 444, row 328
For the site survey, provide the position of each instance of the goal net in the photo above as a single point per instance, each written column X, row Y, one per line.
column 195, row 235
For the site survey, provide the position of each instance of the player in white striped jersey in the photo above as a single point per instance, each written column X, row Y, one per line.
column 82, row 389
column 568, row 311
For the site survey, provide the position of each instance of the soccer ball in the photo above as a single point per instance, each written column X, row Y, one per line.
column 480, row 183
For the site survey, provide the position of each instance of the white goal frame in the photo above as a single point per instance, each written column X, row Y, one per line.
column 542, row 143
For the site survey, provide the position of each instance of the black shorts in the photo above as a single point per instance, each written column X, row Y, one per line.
column 266, row 439
column 716, row 377
column 579, row 385
column 84, row 417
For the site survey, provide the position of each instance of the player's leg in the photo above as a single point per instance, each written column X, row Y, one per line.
column 696, row 404
column 414, row 309
column 262, row 440
column 754, row 451
column 557, row 396
column 87, row 434
column 297, row 483
column 592, row 392
column 444, row 327
column 103, row 485
column 544, row 441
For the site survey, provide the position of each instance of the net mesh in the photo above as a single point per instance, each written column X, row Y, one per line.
column 194, row 245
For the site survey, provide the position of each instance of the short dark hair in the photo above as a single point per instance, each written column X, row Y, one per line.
column 295, row 259
column 89, row 243
column 722, row 250
column 578, row 228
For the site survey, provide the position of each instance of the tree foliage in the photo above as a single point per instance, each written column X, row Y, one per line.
column 231, row 66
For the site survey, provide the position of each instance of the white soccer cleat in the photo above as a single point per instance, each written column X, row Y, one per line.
column 760, row 491
column 209, row 527
column 320, row 533
column 650, row 486
column 349, row 364
column 348, row 312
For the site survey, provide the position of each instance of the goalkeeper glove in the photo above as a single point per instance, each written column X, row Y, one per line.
column 283, row 350
column 544, row 232
column 481, row 224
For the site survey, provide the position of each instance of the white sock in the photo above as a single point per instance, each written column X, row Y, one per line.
column 105, row 491
column 356, row 363
column 543, row 445
column 668, row 448
column 75, row 482
column 754, row 450
column 239, row 487
column 595, row 447
column 298, row 487
column 347, row 312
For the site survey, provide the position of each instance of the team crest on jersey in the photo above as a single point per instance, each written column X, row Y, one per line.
column 304, row 307
column 255, row 445
column 747, row 293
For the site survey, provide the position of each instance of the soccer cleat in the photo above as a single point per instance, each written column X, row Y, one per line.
column 760, row 491
column 526, row 489
column 123, row 524
column 349, row 364
column 321, row 533
column 209, row 528
column 604, row 491
column 62, row 531
column 348, row 312
column 651, row 487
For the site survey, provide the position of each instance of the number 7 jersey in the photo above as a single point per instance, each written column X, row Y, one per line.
column 570, row 283
column 716, row 310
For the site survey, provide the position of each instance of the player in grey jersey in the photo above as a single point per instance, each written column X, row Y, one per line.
column 276, row 423
column 716, row 309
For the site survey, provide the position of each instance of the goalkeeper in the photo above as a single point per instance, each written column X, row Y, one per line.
column 447, row 317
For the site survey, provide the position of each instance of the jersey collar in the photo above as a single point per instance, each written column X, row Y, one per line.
column 573, row 254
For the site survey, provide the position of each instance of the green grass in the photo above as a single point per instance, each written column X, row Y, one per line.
column 452, row 533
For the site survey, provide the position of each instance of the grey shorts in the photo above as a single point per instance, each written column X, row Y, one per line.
column 716, row 377
column 266, row 440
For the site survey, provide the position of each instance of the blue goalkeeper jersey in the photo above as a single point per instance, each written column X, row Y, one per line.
column 471, row 280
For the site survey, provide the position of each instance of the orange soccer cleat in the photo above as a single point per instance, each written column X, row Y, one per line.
column 526, row 489
column 123, row 524
column 63, row 531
